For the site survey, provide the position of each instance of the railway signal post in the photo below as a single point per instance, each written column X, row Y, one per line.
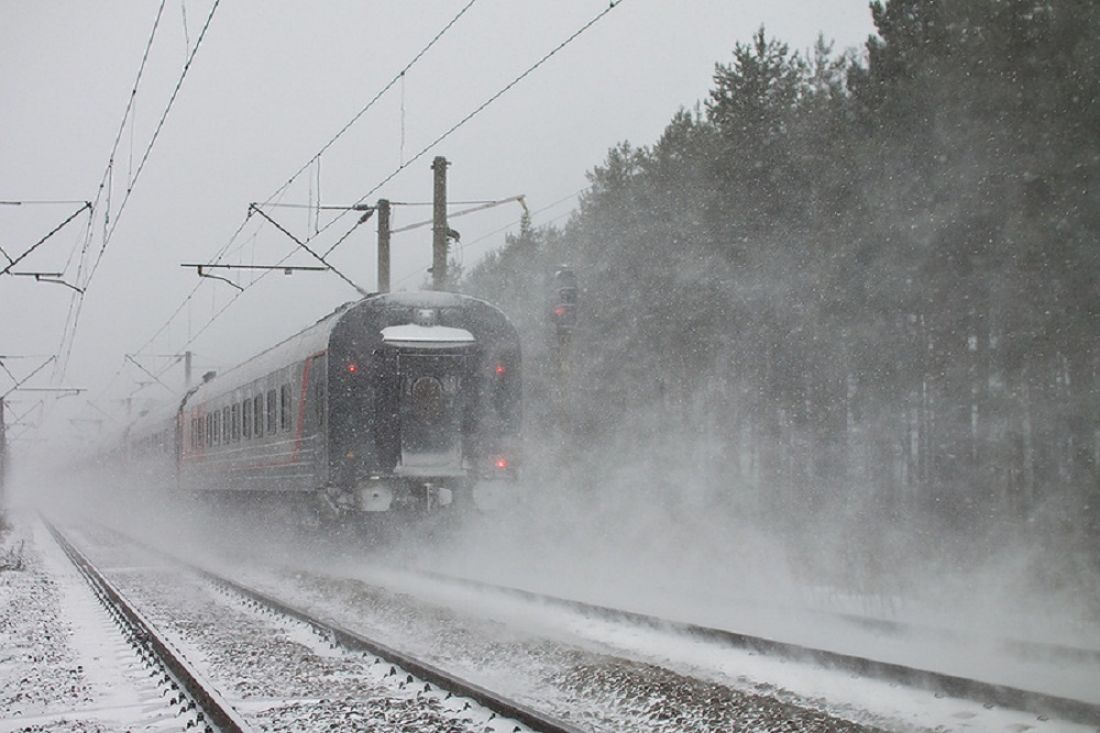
column 564, row 317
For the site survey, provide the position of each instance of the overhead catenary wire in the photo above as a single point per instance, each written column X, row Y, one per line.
column 365, row 108
column 482, row 206
column 87, row 205
column 611, row 6
column 42, row 202
column 481, row 107
column 156, row 132
column 361, row 207
column 355, row 118
column 69, row 337
column 222, row 251
column 108, row 169
column 466, row 245
column 106, row 180
column 319, row 257
column 477, row 110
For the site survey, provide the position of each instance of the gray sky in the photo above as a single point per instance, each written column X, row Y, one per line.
column 271, row 83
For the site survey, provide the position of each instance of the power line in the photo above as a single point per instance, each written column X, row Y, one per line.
column 76, row 303
column 361, row 207
column 463, row 247
column 315, row 158
column 133, row 181
column 477, row 110
column 482, row 206
column 41, row 202
column 109, row 168
column 355, row 118
column 599, row 16
column 400, row 75
column 87, row 205
column 156, row 133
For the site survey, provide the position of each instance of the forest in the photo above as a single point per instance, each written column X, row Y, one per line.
column 848, row 287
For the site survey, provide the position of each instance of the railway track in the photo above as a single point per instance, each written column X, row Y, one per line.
column 943, row 685
column 427, row 673
column 200, row 705
column 207, row 707
column 988, row 694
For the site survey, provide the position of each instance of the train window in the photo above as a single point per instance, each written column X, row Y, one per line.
column 258, row 415
column 225, row 424
column 271, row 411
column 215, row 420
column 236, row 422
column 202, row 432
column 246, row 419
column 319, row 400
column 284, row 398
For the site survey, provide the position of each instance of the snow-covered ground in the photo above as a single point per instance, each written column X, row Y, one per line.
column 64, row 667
column 833, row 693
column 71, row 669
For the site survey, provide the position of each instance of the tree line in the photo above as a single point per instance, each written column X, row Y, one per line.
column 860, row 282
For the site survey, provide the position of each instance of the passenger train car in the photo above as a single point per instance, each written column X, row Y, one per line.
column 399, row 400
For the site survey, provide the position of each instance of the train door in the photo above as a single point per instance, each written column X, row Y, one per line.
column 430, row 412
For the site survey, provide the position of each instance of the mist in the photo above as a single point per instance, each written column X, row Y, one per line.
column 835, row 351
column 833, row 345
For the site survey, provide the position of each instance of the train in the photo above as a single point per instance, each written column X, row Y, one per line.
column 398, row 401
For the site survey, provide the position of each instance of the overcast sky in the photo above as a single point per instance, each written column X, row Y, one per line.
column 271, row 83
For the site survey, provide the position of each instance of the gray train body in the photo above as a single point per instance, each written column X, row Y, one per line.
column 397, row 400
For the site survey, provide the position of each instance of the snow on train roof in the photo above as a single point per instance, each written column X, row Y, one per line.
column 413, row 334
column 425, row 298
column 314, row 339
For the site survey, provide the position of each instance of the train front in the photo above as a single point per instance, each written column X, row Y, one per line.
column 424, row 402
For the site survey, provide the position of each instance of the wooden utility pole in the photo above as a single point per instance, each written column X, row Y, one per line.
column 439, row 224
column 383, row 208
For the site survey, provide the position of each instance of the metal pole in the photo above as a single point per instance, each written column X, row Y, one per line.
column 383, row 208
column 439, row 224
column 186, row 370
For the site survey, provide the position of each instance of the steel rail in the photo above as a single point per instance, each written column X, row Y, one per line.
column 213, row 710
column 986, row 693
column 355, row 642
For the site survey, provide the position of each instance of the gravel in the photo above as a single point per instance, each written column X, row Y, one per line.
column 63, row 665
column 274, row 671
column 594, row 690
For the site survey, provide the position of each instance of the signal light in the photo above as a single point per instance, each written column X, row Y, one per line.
column 500, row 369
column 565, row 317
column 352, row 367
column 501, row 462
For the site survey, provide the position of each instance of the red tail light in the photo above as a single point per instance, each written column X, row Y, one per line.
column 500, row 370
